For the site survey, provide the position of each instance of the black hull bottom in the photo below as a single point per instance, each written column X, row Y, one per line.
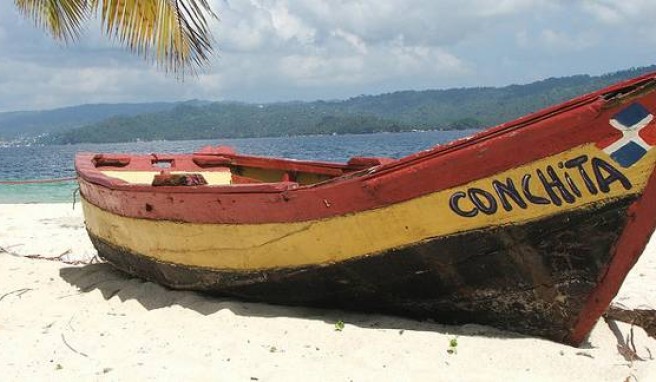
column 533, row 278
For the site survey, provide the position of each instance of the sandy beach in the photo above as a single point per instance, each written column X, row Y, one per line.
column 75, row 319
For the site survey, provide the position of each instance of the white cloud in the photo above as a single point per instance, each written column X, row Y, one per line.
column 634, row 15
column 522, row 38
column 317, row 70
column 272, row 50
column 605, row 12
column 314, row 22
column 615, row 12
column 561, row 41
column 492, row 8
column 289, row 26
column 354, row 40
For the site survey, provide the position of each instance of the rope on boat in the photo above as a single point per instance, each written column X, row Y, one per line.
column 37, row 181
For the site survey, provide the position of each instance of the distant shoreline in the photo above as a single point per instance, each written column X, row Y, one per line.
column 29, row 144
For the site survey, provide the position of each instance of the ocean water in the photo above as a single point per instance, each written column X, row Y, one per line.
column 45, row 162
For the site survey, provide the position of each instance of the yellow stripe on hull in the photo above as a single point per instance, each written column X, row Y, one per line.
column 276, row 245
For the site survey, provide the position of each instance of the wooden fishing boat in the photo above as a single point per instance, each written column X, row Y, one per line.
column 530, row 226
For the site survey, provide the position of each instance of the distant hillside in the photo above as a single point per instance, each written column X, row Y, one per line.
column 482, row 106
column 23, row 124
column 398, row 111
column 221, row 120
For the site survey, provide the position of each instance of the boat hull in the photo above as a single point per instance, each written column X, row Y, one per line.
column 532, row 278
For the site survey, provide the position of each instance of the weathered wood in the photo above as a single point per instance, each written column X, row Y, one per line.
column 644, row 318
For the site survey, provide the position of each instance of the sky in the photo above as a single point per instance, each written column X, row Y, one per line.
column 283, row 50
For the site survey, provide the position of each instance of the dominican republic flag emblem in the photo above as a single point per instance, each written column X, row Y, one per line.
column 638, row 135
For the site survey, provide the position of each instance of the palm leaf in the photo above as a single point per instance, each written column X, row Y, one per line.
column 62, row 18
column 174, row 32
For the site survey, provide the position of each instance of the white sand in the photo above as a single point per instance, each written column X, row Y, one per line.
column 90, row 322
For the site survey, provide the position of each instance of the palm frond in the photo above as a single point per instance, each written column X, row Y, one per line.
column 174, row 32
column 62, row 18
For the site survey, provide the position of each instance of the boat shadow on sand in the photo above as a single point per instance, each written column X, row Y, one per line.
column 112, row 283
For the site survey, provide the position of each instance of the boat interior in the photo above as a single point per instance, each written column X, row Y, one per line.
column 222, row 166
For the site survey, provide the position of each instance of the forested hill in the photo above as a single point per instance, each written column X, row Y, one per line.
column 24, row 124
column 398, row 111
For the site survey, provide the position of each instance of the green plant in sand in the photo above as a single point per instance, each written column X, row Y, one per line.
column 453, row 346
